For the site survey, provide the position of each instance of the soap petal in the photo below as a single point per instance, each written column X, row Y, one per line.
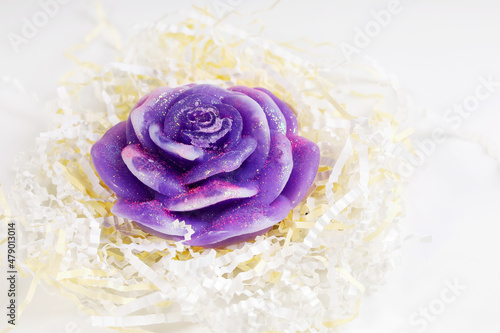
column 212, row 192
column 242, row 223
column 234, row 136
column 275, row 118
column 292, row 125
column 305, row 166
column 107, row 160
column 273, row 177
column 254, row 125
column 154, row 218
column 131, row 136
column 152, row 171
column 153, row 111
column 226, row 161
column 175, row 149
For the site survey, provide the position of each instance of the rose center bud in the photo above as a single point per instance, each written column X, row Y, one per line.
column 202, row 117
column 204, row 128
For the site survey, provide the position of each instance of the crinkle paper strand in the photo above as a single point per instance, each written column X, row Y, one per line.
column 308, row 273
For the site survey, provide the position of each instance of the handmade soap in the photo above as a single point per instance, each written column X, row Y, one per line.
column 223, row 164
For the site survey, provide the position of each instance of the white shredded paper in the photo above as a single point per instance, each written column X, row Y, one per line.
column 309, row 273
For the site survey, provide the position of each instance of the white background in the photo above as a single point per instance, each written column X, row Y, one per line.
column 438, row 50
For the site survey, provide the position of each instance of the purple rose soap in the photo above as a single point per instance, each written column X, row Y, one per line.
column 229, row 163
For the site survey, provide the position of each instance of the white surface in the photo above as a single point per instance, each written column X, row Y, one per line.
column 438, row 51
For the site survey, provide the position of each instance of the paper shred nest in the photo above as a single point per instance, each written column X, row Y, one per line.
column 309, row 272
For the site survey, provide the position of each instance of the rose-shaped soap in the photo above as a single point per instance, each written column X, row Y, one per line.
column 229, row 163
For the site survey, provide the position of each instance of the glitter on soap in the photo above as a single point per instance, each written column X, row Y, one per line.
column 228, row 163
